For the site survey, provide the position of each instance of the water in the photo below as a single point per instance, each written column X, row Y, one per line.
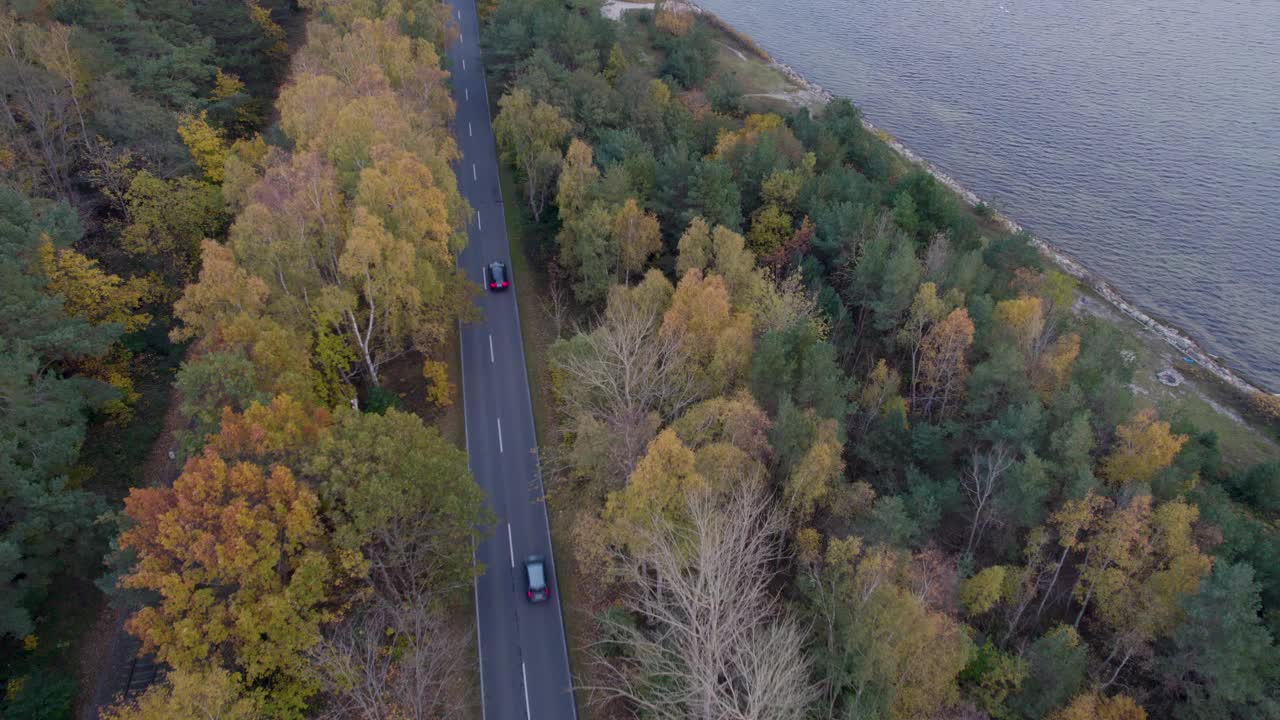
column 1143, row 138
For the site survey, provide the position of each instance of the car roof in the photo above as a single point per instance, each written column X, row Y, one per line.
column 535, row 568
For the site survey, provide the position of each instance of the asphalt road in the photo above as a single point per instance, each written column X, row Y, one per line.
column 524, row 663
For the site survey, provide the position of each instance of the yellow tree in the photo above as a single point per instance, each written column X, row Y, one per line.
column 1142, row 448
column 89, row 292
column 770, row 228
column 530, row 135
column 881, row 388
column 737, row 265
column 1092, row 706
column 659, row 487
column 980, row 593
column 207, row 146
column 926, row 310
column 1054, row 367
column 1020, row 322
column 1140, row 565
column 694, row 248
column 635, row 233
column 578, row 180
column 943, row 366
column 813, row 478
column 212, row 693
column 99, row 297
column 715, row 340
column 223, row 291
column 379, row 268
column 238, row 555
column 900, row 658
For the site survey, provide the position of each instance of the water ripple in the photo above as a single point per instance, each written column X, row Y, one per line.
column 1141, row 137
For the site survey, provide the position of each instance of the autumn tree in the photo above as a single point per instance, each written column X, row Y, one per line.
column 1092, row 706
column 91, row 293
column 208, row 147
column 889, row 654
column 926, row 310
column 1020, row 322
column 815, row 476
column 240, row 557
column 715, row 341
column 1053, row 369
column 636, row 235
column 1142, row 447
column 530, row 135
column 1139, row 566
column 943, row 366
column 211, row 693
column 694, row 248
column 168, row 219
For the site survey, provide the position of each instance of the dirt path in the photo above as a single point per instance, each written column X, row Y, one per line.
column 111, row 666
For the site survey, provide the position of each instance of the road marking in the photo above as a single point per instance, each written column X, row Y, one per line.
column 499, row 434
column 491, row 360
column 467, row 93
column 459, row 14
column 464, row 64
column 525, row 676
column 469, row 129
column 511, row 548
column 475, row 593
column 479, row 224
column 473, row 172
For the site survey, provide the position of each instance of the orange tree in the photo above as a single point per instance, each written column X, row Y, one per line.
column 238, row 556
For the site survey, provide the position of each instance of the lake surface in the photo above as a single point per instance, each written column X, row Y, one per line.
column 1143, row 138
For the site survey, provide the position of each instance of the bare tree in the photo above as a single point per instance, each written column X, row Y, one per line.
column 711, row 642
column 981, row 480
column 555, row 301
column 393, row 662
column 623, row 372
column 398, row 656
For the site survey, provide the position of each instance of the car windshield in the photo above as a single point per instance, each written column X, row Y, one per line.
column 499, row 273
column 536, row 581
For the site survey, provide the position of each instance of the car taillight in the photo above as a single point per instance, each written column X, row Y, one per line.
column 529, row 594
column 504, row 283
column 494, row 285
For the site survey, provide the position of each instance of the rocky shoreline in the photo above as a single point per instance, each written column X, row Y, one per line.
column 1171, row 335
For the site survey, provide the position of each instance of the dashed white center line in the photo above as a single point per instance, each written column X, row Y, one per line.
column 525, row 676
column 464, row 64
column 499, row 434
column 459, row 14
column 511, row 548
column 469, row 128
column 479, row 224
column 467, row 93
column 491, row 360
column 473, row 172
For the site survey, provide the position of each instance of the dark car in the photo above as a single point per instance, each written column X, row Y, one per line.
column 535, row 579
column 496, row 276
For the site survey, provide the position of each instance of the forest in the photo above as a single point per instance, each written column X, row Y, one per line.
column 844, row 448
column 836, row 446
column 221, row 223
